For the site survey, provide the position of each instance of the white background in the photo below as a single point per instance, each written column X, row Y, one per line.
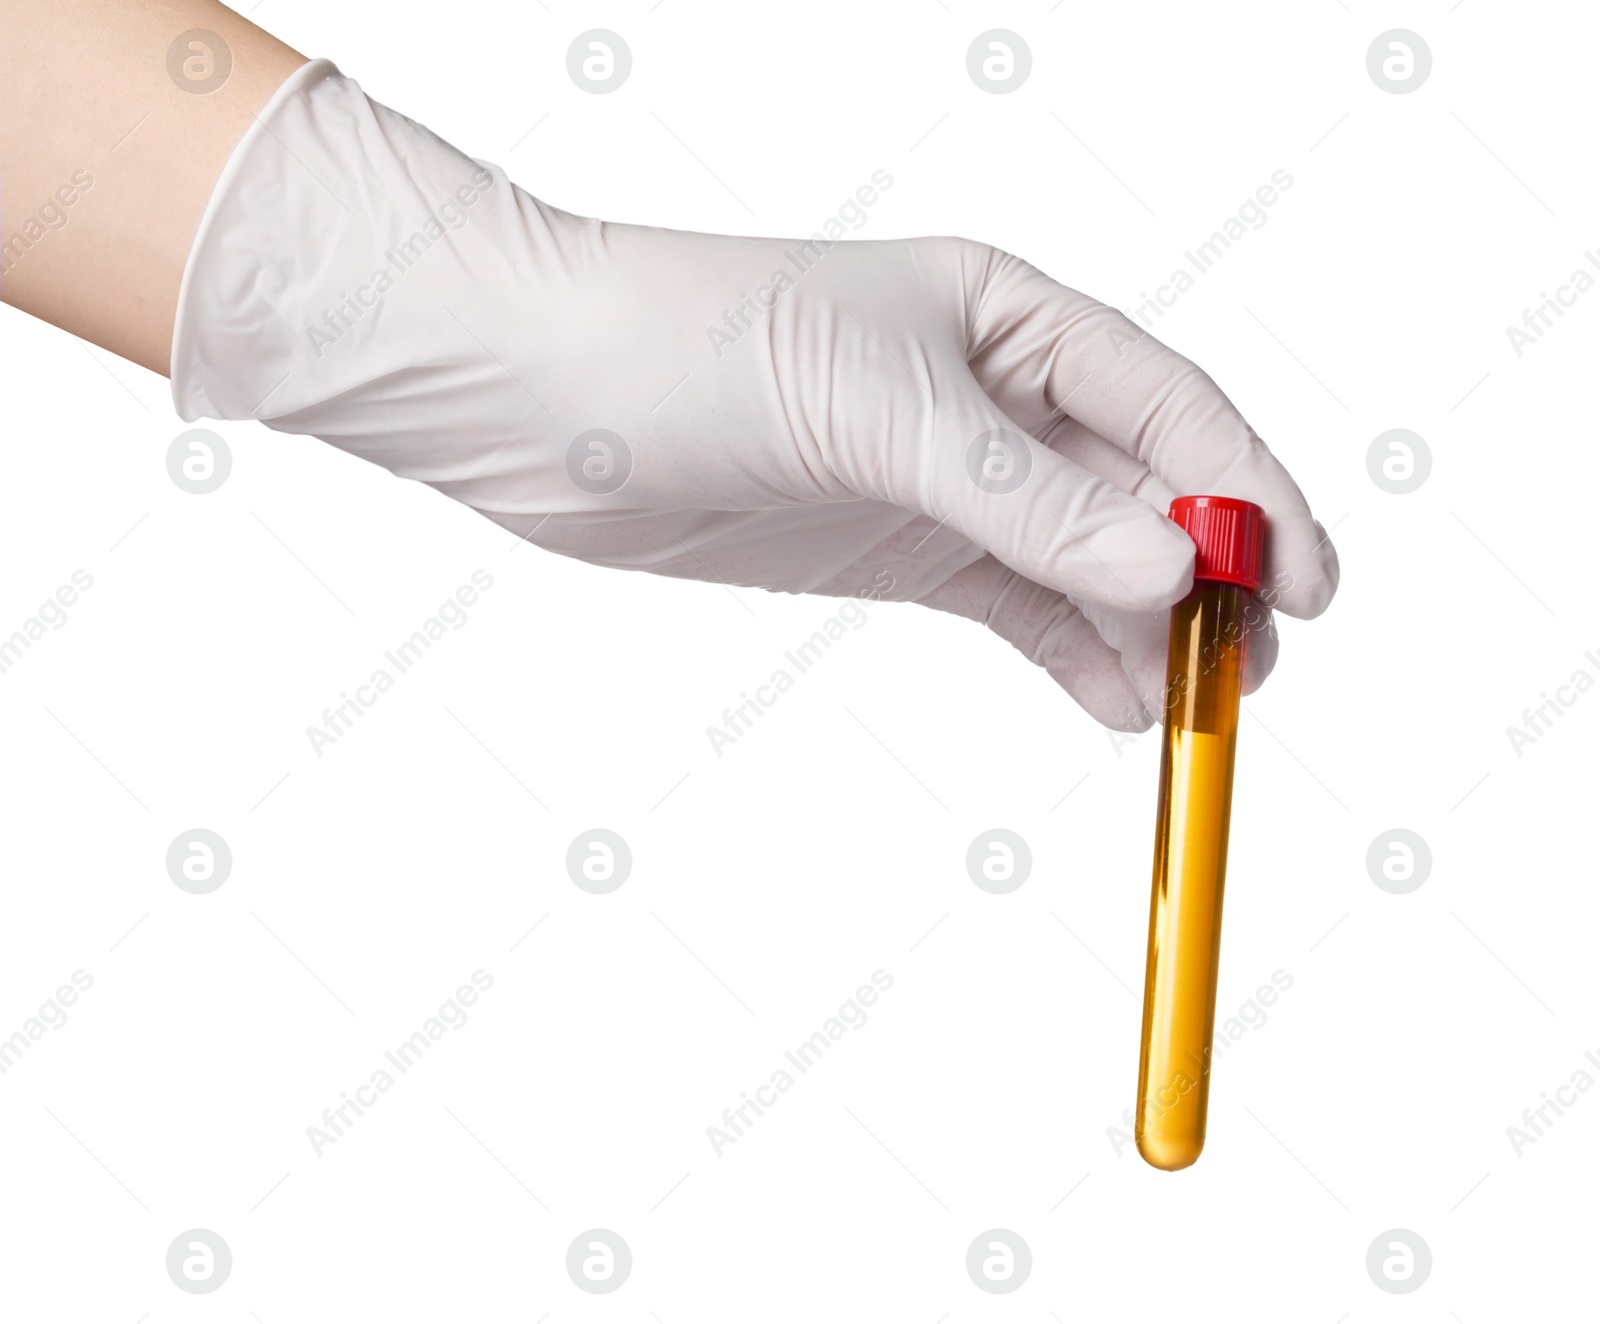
column 830, row 842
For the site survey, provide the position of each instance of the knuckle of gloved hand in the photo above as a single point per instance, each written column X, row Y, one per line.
column 1058, row 641
column 1036, row 621
column 955, row 263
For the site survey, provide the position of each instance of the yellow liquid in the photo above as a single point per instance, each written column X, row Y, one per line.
column 1205, row 668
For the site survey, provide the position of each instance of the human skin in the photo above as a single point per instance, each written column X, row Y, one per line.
column 85, row 92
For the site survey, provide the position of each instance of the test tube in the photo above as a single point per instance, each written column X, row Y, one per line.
column 1205, row 668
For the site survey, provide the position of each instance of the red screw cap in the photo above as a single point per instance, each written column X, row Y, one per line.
column 1230, row 538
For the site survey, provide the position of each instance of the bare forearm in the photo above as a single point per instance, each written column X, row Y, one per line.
column 110, row 144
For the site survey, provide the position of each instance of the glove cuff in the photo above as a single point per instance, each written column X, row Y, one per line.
column 196, row 368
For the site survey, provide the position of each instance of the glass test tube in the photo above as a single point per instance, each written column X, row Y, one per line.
column 1205, row 669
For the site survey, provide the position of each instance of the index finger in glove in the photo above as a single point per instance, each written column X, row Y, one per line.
column 1041, row 350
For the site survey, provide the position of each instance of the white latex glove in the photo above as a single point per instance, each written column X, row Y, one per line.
column 923, row 419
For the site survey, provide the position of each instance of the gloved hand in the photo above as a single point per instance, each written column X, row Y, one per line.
column 925, row 419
